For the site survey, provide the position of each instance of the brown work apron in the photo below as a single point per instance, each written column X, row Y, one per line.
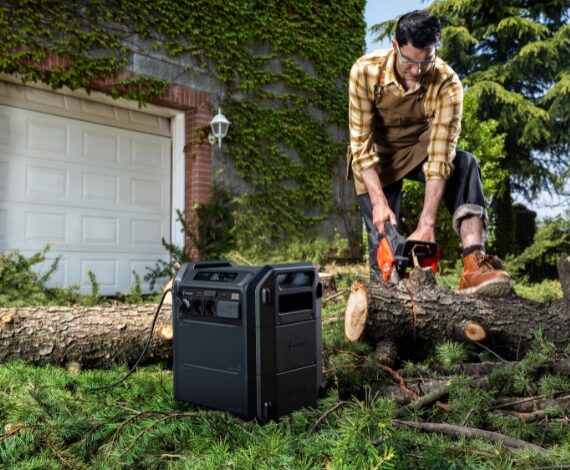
column 401, row 133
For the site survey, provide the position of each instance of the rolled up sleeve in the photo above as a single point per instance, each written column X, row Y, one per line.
column 445, row 129
column 361, row 120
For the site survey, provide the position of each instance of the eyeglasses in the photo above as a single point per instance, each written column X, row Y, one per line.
column 419, row 63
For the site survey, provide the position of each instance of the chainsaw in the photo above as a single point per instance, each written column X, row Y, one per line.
column 395, row 254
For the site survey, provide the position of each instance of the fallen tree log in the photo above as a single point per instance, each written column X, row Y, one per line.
column 88, row 336
column 423, row 310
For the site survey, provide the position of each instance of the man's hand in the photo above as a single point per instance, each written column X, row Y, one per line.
column 381, row 213
column 425, row 231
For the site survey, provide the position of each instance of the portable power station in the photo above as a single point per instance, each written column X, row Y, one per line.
column 247, row 339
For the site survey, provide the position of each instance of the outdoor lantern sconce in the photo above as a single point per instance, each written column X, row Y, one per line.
column 219, row 128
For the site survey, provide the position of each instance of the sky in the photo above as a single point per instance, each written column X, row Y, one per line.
column 381, row 10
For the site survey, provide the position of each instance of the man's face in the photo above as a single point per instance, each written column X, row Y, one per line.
column 411, row 62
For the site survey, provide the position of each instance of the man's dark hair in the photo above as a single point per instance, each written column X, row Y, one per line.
column 420, row 28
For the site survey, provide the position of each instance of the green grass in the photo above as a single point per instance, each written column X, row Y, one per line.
column 49, row 419
column 544, row 291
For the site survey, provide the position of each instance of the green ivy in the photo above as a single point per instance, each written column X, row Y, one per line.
column 280, row 141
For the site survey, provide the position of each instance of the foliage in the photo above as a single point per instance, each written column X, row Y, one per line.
column 50, row 419
column 315, row 250
column 212, row 235
column 95, row 296
column 551, row 241
column 23, row 284
column 282, row 67
column 450, row 353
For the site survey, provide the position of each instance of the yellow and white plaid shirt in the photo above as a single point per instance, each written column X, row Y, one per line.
column 443, row 103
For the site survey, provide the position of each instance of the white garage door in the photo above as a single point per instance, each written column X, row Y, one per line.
column 99, row 194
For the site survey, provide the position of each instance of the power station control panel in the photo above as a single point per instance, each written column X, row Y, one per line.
column 210, row 303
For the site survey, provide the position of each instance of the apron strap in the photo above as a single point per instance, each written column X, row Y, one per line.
column 379, row 87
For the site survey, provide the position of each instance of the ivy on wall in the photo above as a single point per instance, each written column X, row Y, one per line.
column 283, row 63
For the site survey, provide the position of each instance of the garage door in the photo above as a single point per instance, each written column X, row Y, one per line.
column 99, row 194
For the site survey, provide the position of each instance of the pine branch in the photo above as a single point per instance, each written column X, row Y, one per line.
column 473, row 433
column 426, row 400
column 151, row 426
column 332, row 409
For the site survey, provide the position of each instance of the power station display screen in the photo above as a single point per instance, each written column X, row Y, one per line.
column 215, row 276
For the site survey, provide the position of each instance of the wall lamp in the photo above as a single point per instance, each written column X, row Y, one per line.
column 219, row 127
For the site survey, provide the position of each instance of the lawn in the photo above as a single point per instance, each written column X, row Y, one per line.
column 50, row 418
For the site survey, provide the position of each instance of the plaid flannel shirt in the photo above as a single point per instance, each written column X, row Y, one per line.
column 443, row 103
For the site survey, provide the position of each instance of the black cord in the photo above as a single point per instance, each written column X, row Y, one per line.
column 149, row 339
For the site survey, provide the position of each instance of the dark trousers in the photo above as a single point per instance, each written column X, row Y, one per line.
column 464, row 187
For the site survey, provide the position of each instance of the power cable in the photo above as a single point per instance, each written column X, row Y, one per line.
column 149, row 339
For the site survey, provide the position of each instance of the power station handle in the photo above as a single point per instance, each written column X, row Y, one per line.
column 295, row 280
column 265, row 296
column 212, row 264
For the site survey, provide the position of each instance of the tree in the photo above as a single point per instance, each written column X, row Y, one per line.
column 514, row 59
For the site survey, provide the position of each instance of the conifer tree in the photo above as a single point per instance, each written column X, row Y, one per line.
column 513, row 56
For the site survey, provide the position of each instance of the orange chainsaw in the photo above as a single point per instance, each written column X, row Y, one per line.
column 395, row 254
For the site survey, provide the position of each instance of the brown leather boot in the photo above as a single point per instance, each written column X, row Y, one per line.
column 484, row 275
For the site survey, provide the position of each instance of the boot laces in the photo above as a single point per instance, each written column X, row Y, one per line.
column 491, row 262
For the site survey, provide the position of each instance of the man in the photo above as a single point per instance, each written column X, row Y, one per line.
column 405, row 107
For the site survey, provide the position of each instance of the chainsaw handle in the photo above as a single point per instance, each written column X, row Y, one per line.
column 393, row 236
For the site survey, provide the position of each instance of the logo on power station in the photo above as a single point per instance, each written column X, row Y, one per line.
column 292, row 345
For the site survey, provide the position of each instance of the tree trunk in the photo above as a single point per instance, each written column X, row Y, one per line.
column 563, row 266
column 423, row 311
column 88, row 336
column 504, row 220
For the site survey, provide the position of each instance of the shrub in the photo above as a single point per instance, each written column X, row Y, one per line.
column 538, row 261
column 21, row 284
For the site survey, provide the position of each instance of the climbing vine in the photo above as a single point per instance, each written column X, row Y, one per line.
column 282, row 63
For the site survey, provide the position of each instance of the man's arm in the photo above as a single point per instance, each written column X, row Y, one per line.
column 364, row 158
column 426, row 226
column 445, row 130
column 381, row 212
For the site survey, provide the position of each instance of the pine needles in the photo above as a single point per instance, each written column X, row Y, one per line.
column 49, row 420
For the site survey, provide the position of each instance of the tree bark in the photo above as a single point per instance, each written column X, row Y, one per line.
column 88, row 336
column 421, row 310
column 563, row 266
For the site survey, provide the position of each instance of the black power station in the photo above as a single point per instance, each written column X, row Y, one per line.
column 247, row 339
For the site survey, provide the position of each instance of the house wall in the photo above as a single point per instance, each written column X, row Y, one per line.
column 207, row 165
column 210, row 54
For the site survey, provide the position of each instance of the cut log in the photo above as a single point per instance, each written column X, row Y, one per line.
column 329, row 284
column 87, row 336
column 423, row 310
column 356, row 311
column 386, row 353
